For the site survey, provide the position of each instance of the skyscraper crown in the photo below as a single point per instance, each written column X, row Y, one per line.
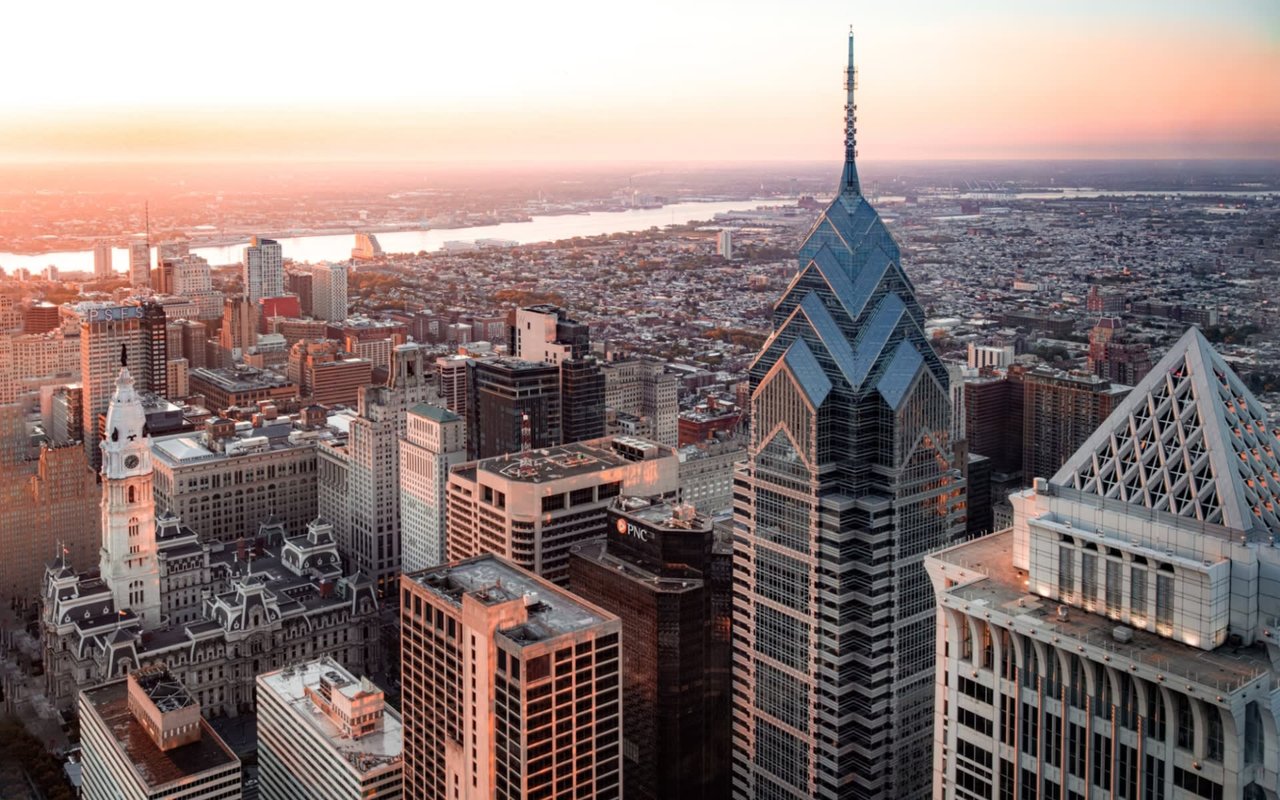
column 1189, row 440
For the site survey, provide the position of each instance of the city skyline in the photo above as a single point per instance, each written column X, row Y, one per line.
column 996, row 81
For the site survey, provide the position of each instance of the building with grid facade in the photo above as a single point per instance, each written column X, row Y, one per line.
column 532, row 508
column 262, row 270
column 1059, row 411
column 850, row 479
column 434, row 441
column 111, row 336
column 324, row 734
column 511, row 687
column 1120, row 640
column 667, row 577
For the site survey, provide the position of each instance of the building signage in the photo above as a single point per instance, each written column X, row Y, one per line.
column 114, row 313
column 628, row 528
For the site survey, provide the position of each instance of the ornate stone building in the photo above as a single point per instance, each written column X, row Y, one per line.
column 216, row 614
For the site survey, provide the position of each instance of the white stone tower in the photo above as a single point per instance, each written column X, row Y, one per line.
column 128, row 560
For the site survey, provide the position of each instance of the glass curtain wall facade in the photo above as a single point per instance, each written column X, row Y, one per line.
column 850, row 481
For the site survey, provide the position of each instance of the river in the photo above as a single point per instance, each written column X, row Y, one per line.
column 337, row 247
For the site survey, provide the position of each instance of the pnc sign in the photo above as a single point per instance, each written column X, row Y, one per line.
column 628, row 528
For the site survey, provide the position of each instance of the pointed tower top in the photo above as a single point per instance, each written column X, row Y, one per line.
column 849, row 185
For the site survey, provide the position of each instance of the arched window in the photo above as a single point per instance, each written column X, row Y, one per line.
column 134, row 527
column 130, row 495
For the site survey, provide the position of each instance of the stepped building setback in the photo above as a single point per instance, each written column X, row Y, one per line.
column 850, row 480
column 1120, row 640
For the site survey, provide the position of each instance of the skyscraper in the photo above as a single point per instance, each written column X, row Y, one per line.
column 1059, row 411
column 139, row 264
column 329, row 292
column 513, row 398
column 263, row 269
column 435, row 441
column 102, row 267
column 660, row 570
column 546, row 333
column 533, row 507
column 850, row 479
column 1119, row 641
column 155, row 349
column 511, row 687
column 111, row 336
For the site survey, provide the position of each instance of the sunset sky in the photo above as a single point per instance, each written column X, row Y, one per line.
column 694, row 80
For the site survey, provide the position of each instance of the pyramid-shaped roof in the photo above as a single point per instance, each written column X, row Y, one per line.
column 1189, row 440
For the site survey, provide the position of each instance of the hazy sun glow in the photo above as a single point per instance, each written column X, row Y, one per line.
column 659, row 80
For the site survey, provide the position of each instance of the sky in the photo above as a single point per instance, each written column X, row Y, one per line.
column 699, row 80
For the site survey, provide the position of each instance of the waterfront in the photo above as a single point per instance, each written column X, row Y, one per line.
column 337, row 247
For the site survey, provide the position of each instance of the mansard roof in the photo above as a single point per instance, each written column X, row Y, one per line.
column 1189, row 440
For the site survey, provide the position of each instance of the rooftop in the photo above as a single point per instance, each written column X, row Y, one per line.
column 1004, row 590
column 434, row 413
column 571, row 460
column 384, row 745
column 156, row 767
column 239, row 378
column 552, row 611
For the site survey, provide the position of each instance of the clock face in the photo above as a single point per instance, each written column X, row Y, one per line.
column 130, row 462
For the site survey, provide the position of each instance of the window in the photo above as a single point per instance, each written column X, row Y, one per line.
column 1115, row 586
column 1138, row 594
column 1164, row 604
column 1066, row 572
column 1089, row 578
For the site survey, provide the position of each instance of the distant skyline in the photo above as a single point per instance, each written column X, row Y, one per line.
column 577, row 81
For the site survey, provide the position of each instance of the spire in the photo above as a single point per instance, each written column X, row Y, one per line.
column 849, row 184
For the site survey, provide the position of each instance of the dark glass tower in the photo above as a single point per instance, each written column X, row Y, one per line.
column 850, row 481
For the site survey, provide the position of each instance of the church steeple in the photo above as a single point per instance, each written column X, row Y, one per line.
column 849, row 184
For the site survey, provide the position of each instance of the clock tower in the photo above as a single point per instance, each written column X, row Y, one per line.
column 128, row 560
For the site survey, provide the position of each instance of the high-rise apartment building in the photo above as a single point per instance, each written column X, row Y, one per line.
column 155, row 349
column 102, row 261
column 453, row 378
column 545, row 333
column 143, row 738
column 324, row 734
column 239, row 328
column 993, row 414
column 512, row 687
column 515, row 405
column 1059, row 411
column 850, row 480
column 662, row 573
column 262, row 269
column 329, row 291
column 1119, row 640
column 300, row 284
column 533, row 507
column 140, row 264
column 435, row 440
column 111, row 336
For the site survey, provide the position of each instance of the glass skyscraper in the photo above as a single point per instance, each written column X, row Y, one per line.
column 850, row 481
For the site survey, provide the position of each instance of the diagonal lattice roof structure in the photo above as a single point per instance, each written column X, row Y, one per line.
column 1189, row 440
